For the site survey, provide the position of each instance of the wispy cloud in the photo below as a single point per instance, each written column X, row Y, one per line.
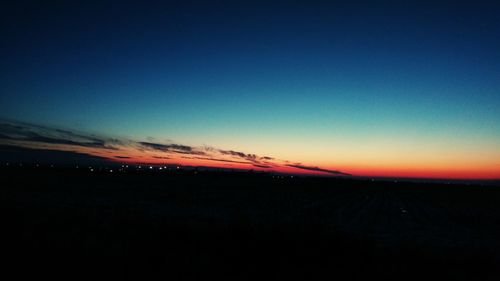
column 247, row 156
column 218, row 160
column 262, row 166
column 176, row 148
column 166, row 147
column 40, row 134
column 38, row 137
column 161, row 157
column 14, row 154
column 316, row 169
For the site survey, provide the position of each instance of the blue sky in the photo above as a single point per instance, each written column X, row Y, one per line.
column 273, row 73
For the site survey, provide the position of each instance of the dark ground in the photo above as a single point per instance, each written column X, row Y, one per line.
column 67, row 223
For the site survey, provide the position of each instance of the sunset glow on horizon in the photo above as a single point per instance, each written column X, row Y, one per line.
column 373, row 90
column 448, row 164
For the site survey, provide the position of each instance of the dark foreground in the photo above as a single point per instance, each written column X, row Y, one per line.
column 64, row 223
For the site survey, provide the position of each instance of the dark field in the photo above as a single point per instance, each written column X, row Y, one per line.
column 65, row 223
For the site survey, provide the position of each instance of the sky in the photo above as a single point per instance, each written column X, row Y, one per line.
column 368, row 88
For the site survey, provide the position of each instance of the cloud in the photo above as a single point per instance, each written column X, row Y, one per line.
column 262, row 166
column 9, row 153
column 233, row 153
column 166, row 147
column 39, row 138
column 41, row 134
column 34, row 137
column 317, row 169
column 218, row 160
column 176, row 148
column 161, row 157
column 247, row 156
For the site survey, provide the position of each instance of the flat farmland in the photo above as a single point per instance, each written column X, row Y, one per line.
column 245, row 226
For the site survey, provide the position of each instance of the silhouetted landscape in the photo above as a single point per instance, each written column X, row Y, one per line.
column 190, row 224
column 250, row 140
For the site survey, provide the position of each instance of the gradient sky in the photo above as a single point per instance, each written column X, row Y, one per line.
column 372, row 88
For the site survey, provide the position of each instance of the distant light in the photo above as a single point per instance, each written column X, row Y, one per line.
column 178, row 167
column 161, row 168
column 150, row 167
column 110, row 171
column 91, row 170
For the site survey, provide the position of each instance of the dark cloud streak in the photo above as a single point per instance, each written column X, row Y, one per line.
column 166, row 147
column 48, row 156
column 218, row 160
column 262, row 166
column 39, row 134
column 20, row 134
column 173, row 148
column 317, row 169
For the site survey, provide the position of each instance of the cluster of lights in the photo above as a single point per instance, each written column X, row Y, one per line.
column 281, row 177
column 121, row 168
column 124, row 168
